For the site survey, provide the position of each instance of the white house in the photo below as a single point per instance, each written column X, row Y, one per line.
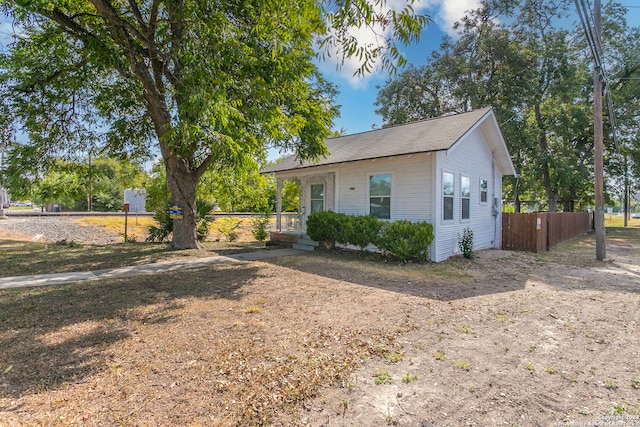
column 136, row 198
column 446, row 171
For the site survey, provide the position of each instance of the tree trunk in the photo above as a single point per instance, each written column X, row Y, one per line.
column 552, row 195
column 569, row 205
column 182, row 182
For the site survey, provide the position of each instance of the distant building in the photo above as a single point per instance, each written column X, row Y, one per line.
column 136, row 198
column 4, row 199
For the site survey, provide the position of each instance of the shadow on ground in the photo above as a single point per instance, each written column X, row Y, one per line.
column 571, row 266
column 34, row 356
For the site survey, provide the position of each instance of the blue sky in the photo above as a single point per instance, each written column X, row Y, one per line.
column 357, row 95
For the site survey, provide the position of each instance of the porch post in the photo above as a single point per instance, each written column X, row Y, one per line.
column 330, row 192
column 279, row 204
column 302, row 207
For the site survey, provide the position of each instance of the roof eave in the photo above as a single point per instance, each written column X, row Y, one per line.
column 303, row 167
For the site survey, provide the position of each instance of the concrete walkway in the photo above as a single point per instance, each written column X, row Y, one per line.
column 136, row 270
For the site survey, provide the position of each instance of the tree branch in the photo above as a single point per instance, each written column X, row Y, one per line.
column 69, row 25
column 126, row 30
column 51, row 78
column 138, row 15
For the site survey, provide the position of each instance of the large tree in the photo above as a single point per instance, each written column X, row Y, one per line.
column 208, row 83
column 623, row 70
column 514, row 55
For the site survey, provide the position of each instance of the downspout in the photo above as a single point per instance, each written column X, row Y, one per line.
column 494, row 202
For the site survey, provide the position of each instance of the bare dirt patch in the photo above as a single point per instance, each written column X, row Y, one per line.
column 335, row 340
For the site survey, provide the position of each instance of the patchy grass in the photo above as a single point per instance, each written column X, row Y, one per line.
column 227, row 345
column 360, row 266
column 266, row 344
column 467, row 330
column 382, row 377
column 439, row 355
column 409, row 378
column 611, row 220
column 462, row 364
column 395, row 357
column 25, row 258
column 136, row 226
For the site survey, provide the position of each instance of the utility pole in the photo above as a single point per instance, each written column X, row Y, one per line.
column 90, row 200
column 3, row 192
column 626, row 191
column 598, row 156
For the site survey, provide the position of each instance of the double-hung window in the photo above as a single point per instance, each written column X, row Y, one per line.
column 317, row 197
column 447, row 196
column 380, row 196
column 465, row 194
column 484, row 187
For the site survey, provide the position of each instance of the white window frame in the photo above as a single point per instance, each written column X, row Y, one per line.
column 390, row 196
column 448, row 196
column 485, row 191
column 464, row 198
column 311, row 199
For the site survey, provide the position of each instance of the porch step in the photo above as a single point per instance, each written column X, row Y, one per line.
column 305, row 244
column 302, row 247
column 308, row 242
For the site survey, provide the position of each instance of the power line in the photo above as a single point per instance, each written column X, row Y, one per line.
column 595, row 45
column 593, row 35
column 584, row 15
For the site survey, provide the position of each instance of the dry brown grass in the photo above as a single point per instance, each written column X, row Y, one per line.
column 136, row 225
column 296, row 340
column 231, row 345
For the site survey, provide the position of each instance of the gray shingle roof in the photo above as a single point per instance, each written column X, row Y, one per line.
column 419, row 137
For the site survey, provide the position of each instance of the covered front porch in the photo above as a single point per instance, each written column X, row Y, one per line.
column 316, row 193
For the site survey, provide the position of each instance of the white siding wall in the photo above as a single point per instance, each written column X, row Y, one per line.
column 471, row 158
column 411, row 189
column 410, row 186
column 416, row 193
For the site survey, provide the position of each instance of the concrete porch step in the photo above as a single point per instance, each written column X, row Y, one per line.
column 302, row 247
column 308, row 242
column 305, row 244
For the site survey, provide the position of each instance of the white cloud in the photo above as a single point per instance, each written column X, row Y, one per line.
column 444, row 13
column 369, row 37
column 449, row 12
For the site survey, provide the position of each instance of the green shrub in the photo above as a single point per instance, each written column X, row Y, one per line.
column 342, row 227
column 363, row 230
column 229, row 227
column 160, row 232
column 260, row 227
column 326, row 226
column 403, row 239
column 205, row 218
column 406, row 240
column 465, row 242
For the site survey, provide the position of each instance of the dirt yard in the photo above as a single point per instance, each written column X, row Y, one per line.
column 335, row 339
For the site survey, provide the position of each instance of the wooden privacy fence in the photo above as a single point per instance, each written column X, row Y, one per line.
column 541, row 231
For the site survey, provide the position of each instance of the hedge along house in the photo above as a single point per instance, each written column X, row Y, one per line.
column 446, row 171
